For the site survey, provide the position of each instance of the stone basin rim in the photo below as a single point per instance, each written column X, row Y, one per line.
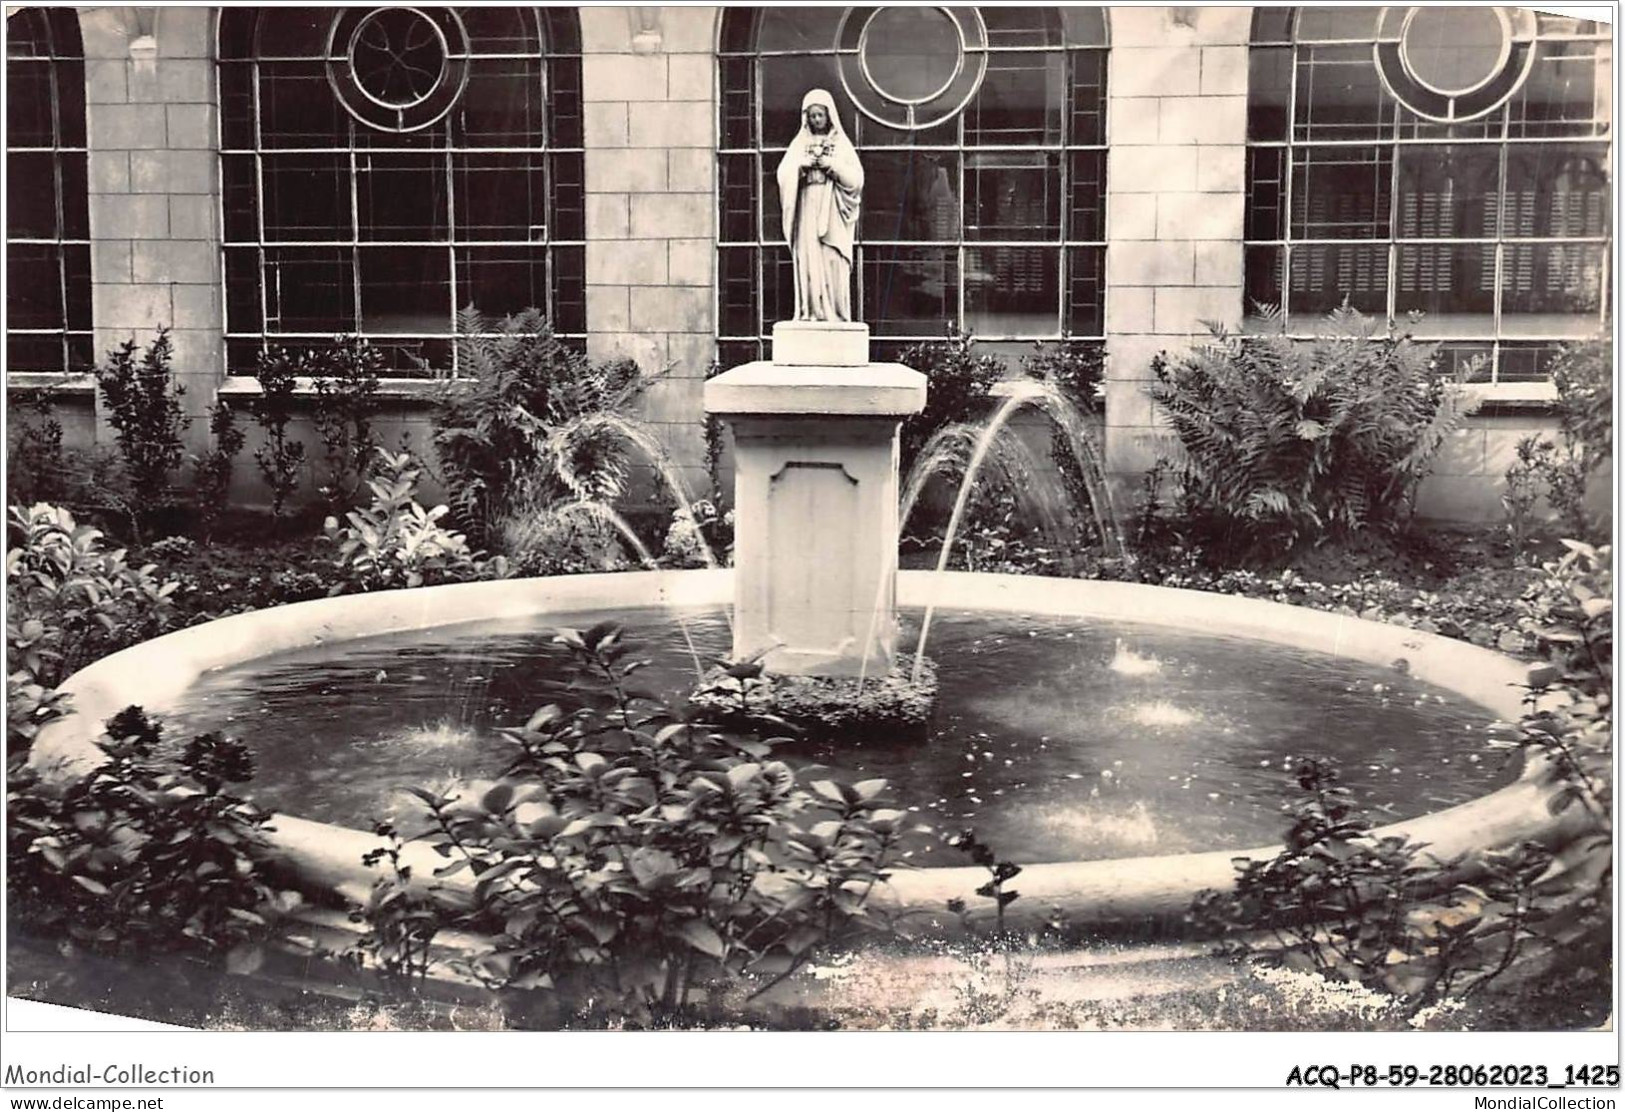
column 325, row 859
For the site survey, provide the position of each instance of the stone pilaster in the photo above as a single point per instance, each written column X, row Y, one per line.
column 649, row 82
column 1175, row 207
column 154, row 223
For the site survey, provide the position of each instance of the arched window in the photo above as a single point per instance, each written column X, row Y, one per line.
column 982, row 133
column 383, row 168
column 1451, row 161
column 47, row 195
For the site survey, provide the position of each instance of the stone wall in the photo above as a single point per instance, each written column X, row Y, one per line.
column 1177, row 124
column 649, row 82
column 154, row 208
column 1469, row 473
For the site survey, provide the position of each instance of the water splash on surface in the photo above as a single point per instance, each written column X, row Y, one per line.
column 444, row 734
column 1130, row 828
column 1161, row 713
column 1126, row 662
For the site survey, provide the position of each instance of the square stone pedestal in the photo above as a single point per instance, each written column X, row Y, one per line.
column 820, row 343
column 815, row 497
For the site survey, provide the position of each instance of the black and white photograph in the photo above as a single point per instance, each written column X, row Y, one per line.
column 778, row 523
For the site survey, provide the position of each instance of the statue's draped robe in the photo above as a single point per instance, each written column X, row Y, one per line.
column 820, row 222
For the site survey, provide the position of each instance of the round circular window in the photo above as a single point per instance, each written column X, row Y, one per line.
column 399, row 57
column 1452, row 64
column 397, row 69
column 911, row 55
column 911, row 68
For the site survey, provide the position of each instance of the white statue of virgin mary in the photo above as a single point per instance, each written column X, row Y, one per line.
column 820, row 189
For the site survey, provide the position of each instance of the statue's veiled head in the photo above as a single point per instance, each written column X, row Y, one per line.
column 818, row 113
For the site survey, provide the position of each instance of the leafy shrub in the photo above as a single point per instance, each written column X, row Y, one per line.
column 1349, row 906
column 496, row 424
column 217, row 580
column 1077, row 367
column 998, row 872
column 145, row 853
column 69, row 601
column 960, row 382
column 213, row 468
column 345, row 376
column 1482, row 605
column 1541, row 469
column 992, row 538
column 1568, row 722
column 402, row 920
column 628, row 856
column 1287, row 441
column 280, row 457
column 550, row 541
column 36, row 467
column 1061, row 515
column 395, row 542
column 693, row 526
column 1524, row 481
column 171, row 549
column 1584, row 376
column 1562, row 472
column 30, row 705
column 144, row 409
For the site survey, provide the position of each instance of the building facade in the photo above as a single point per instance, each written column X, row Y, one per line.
column 1104, row 176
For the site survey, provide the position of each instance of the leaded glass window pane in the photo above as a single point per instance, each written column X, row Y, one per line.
column 908, row 195
column 428, row 161
column 1013, row 291
column 47, row 194
column 1472, row 188
column 1324, row 275
column 1448, row 192
column 984, row 200
column 1453, row 284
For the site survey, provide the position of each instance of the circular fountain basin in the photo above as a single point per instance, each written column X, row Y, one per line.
column 1122, row 888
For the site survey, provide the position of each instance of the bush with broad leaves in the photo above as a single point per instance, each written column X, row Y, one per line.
column 69, row 600
column 395, row 542
column 628, row 857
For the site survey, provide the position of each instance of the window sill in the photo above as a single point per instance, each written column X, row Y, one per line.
column 389, row 389
column 74, row 384
column 1502, row 398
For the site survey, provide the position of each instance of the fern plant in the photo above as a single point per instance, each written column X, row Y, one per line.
column 513, row 429
column 1289, row 441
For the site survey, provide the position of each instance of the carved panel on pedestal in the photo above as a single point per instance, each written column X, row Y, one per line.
column 812, row 512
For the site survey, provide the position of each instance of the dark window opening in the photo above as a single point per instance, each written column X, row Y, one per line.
column 383, row 169
column 47, row 194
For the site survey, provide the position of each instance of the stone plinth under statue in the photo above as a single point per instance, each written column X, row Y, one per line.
column 815, row 496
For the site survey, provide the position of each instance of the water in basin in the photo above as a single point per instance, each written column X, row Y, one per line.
column 1054, row 738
